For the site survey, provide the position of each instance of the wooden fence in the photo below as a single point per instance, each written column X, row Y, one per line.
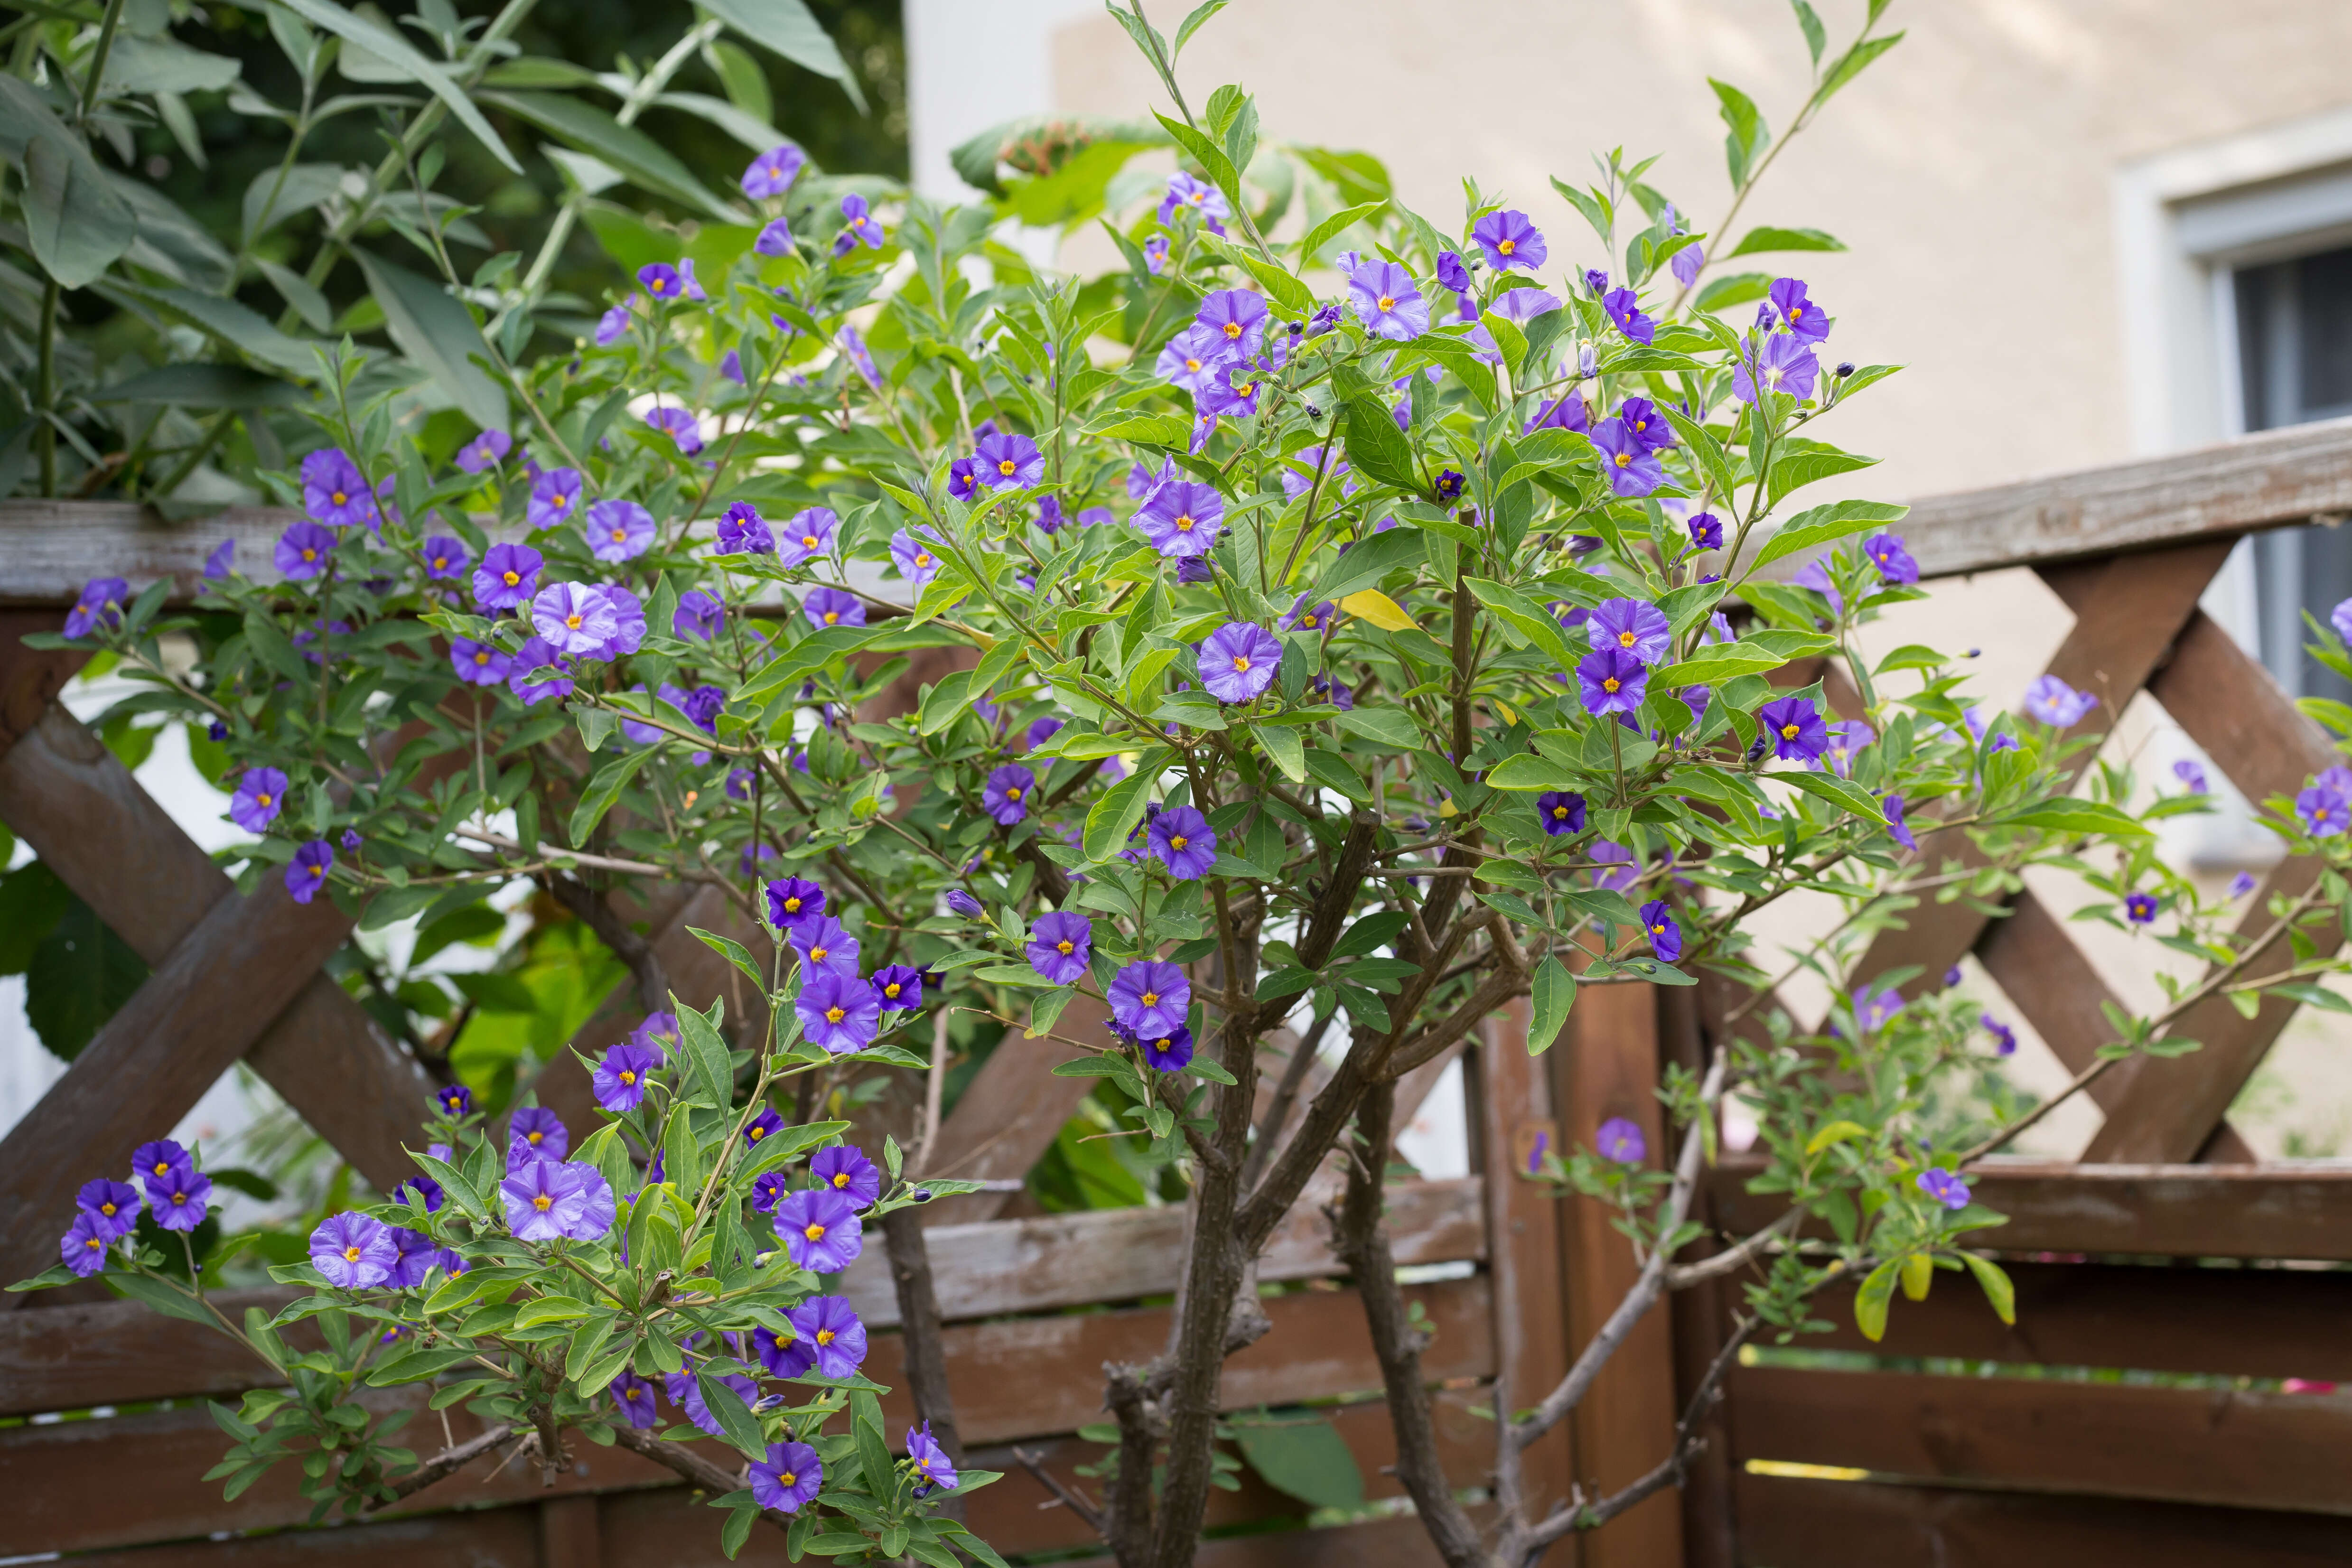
column 2116, row 1258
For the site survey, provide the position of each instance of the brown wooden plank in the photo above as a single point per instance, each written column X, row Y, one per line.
column 30, row 677
column 1609, row 1067
column 2156, row 1211
column 568, row 1535
column 70, row 1358
column 148, row 1065
column 2180, row 1445
column 474, row 1537
column 1510, row 1108
column 2235, row 1323
column 2035, row 961
column 1701, row 1317
column 1790, row 1522
column 2168, row 1109
column 1011, row 1113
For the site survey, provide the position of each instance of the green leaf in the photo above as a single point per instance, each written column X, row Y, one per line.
column 734, row 1417
column 706, row 1050
column 1528, row 772
column 1289, row 753
column 438, row 333
column 1208, row 154
column 1758, row 241
column 648, row 165
column 2086, row 817
column 395, row 50
column 1368, row 562
column 1276, row 279
column 1835, row 1132
column 240, row 327
column 1192, row 24
column 1527, row 617
column 1826, row 525
column 1555, row 994
column 1842, row 792
column 1799, row 470
column 1737, row 289
column 1996, row 1284
column 1748, row 135
column 1331, row 227
column 733, row 952
column 603, row 789
column 79, row 975
column 1870, row 1302
column 1378, row 448
column 77, row 224
column 1715, row 663
column 1170, row 430
column 1389, row 726
column 1114, row 816
column 204, row 385
column 159, row 1297
column 1816, row 39
column 1307, row 1459
column 787, row 27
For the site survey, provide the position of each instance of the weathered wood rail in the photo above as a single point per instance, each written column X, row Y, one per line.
column 2159, row 1257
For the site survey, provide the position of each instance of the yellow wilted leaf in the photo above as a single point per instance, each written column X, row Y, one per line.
column 1377, row 607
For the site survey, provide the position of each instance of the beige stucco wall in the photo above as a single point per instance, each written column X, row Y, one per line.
column 1970, row 170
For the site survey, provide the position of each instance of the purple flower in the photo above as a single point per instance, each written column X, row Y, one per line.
column 1685, row 263
column 828, row 1325
column 859, row 227
column 1780, row 363
column 1643, row 421
column 819, row 1230
column 179, row 1199
column 775, row 239
column 444, row 558
column 898, row 987
column 1141, row 482
column 1705, row 530
column 854, row 344
column 334, row 491
column 1897, row 828
column 635, row 1401
column 684, row 1391
column 1059, row 947
column 354, row 1252
column 1239, row 662
column 486, row 450
column 554, row 496
column 1198, row 195
column 2139, row 907
column 1385, row 300
column 793, row 899
column 1612, row 681
column 83, row 1246
column 1632, row 626
column 964, row 479
column 1182, row 518
column 2191, row 776
column 741, row 531
column 1042, row 731
column 547, row 1199
column 507, row 576
column 1181, row 839
column 822, row 943
column 1155, row 254
column 1510, row 240
column 1893, row 559
column 1666, row 933
column 658, row 1031
column 2243, row 883
column 1946, row 1187
column 1191, row 360
column 1845, row 740
column 1009, row 460
column 782, row 1353
column 1624, row 309
column 1520, row 305
column 307, row 872
column 619, row 529
column 661, row 281
column 833, row 608
column 763, row 1126
column 791, row 1474
column 620, row 1078
column 613, row 324
column 1006, row 794
column 1799, row 315
column 574, row 618
column 421, row 1191
column 772, row 174
column 455, row 1101
column 1235, row 321
column 413, row 1256
column 112, row 1207
column 1168, row 1053
column 848, row 1170
column 536, row 1129
column 964, row 904
column 698, row 615
column 152, row 1162
column 302, row 551
column 838, row 1011
column 1622, row 1141
column 2340, row 618
column 931, row 1461
column 1794, row 727
column 1191, row 570
column 1309, row 617
column 807, row 535
column 679, row 426
column 260, row 797
column 1452, row 273
column 1148, row 997
column 1632, row 470
column 915, row 563
column 2057, row 704
column 1566, row 412
column 2004, row 1038
column 102, row 598
column 1871, row 1009
column 479, row 663
column 1560, row 812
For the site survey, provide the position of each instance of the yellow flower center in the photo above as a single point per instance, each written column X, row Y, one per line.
column 1064, row 946
column 1623, row 459
column 825, row 1336
column 1796, row 313
column 1012, row 795
column 814, row 1232
column 1788, row 732
column 440, row 562
column 1185, row 523
column 831, row 616
column 1608, row 683
column 1151, row 998
column 560, row 500
column 787, row 1477
column 94, row 1245
column 808, row 541
column 534, row 1137
column 350, row 1255
column 1626, row 639
column 619, row 534
column 1308, row 621
column 1560, row 814
column 1640, row 425
column 309, row 554
column 755, row 1133
column 1387, row 302
column 512, row 578
column 628, row 1077
column 1507, row 246
column 841, row 1178
column 573, row 620
column 1241, row 661
column 792, row 905
column 1006, row 467
column 922, row 560
column 259, row 800
column 341, row 497
column 1192, row 365
column 541, row 1202
column 107, row 1209
column 892, row 990
column 482, row 656
column 833, row 1015
column 1657, row 930
column 163, row 1168
column 820, row 954
column 1177, row 841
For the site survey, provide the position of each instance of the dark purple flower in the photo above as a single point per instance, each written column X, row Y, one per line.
column 763, row 1126
column 217, row 565
column 742, row 531
column 833, row 608
column 684, row 1391
column 2139, row 907
column 444, row 558
column 1306, row 616
column 620, row 1078
column 179, row 1199
column 1566, row 412
column 789, row 1479
column 1041, row 730
column 538, row 1131
column 479, row 664
column 422, row 1192
column 613, row 324
column 847, row 1170
column 533, row 656
column 635, row 1399
column 931, row 1461
column 964, row 479
column 1182, row 518
column 302, row 551
column 1946, row 1187
column 260, row 797
column 1384, row 299
column 1611, row 680
column 772, row 174
column 838, row 1011
column 1624, row 309
column 1664, row 932
column 964, row 904
column 1181, row 839
column 1006, row 794
column 1799, row 315
column 1634, row 626
column 1893, row 559
column 783, row 1355
column 1059, row 945
column 546, row 1199
column 793, row 899
column 661, row 281
column 859, row 227
column 807, row 535
column 1239, row 662
column 413, row 1256
column 1560, row 812
column 822, row 943
column 102, row 599
column 2243, row 882
column 2057, row 704
column 898, row 987
column 486, row 450
column 1779, row 364
column 112, row 1207
column 699, row 615
column 1646, row 425
column 1148, row 997
column 307, row 872
column 819, row 1230
column 1897, row 828
column 1167, row 1053
column 1510, row 240
column 554, row 496
column 1619, row 1139
column 828, row 1325
column 507, row 576
column 1794, row 727
column 354, row 1252
column 1632, row 470
column 2004, row 1038
column 334, row 491
column 83, row 1246
column 455, row 1101
column 1009, row 460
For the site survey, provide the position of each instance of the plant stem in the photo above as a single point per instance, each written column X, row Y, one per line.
column 97, row 77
